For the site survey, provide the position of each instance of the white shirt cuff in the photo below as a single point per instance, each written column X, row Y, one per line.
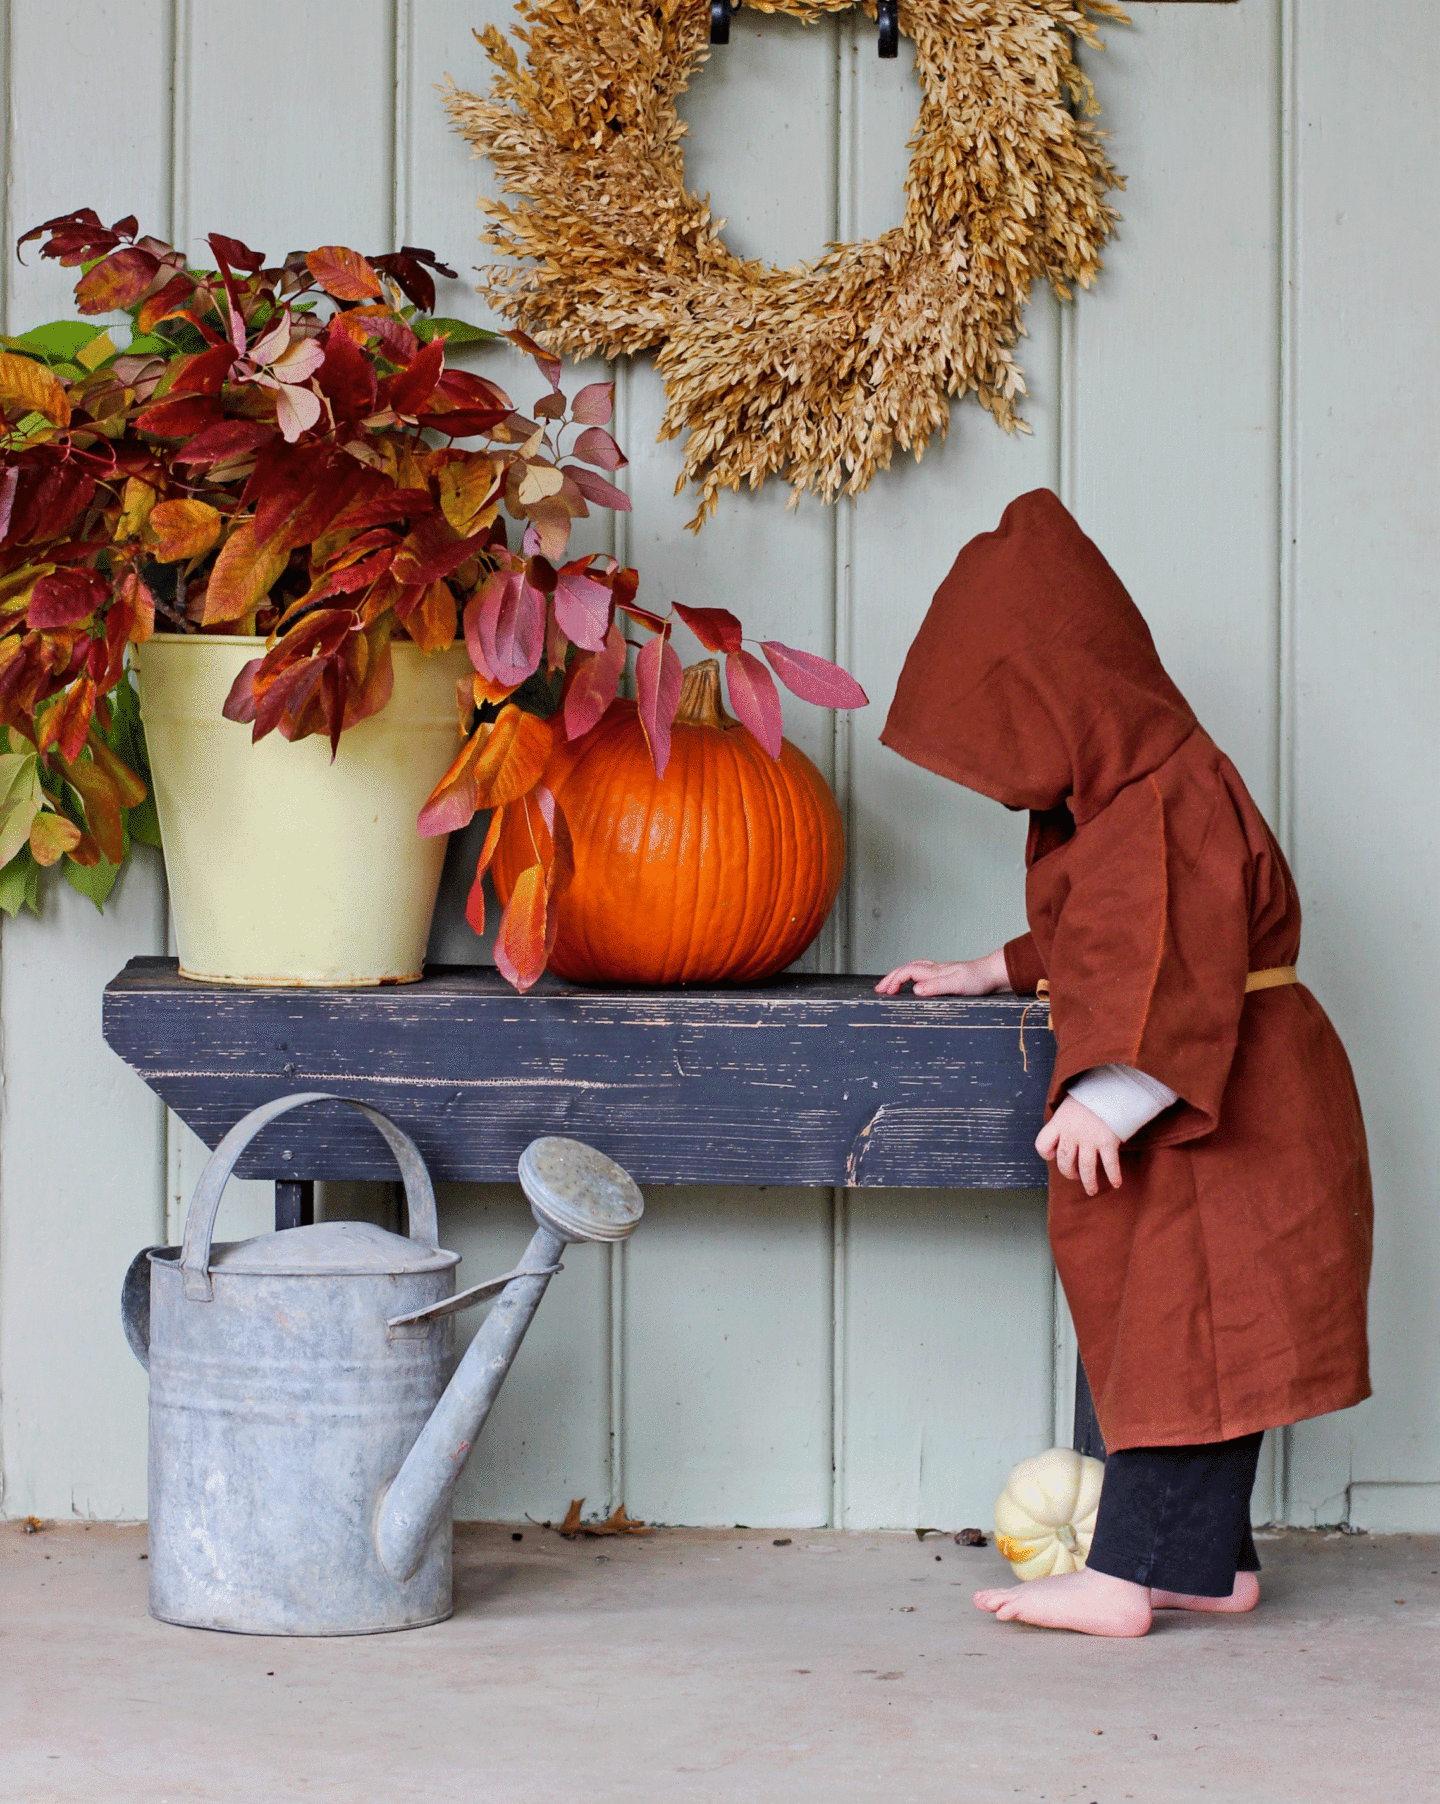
column 1124, row 1098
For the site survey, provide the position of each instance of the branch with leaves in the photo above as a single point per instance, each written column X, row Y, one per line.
column 274, row 450
column 503, row 765
column 277, row 451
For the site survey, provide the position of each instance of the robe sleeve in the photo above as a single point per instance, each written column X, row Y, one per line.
column 1151, row 947
column 1023, row 965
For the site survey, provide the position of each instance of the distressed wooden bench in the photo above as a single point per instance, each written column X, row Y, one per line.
column 806, row 1080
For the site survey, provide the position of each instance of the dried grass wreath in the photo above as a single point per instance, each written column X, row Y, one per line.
column 820, row 370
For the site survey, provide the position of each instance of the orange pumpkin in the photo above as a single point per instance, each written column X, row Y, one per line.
column 721, row 871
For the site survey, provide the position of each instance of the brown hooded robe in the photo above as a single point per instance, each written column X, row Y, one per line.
column 1222, row 1288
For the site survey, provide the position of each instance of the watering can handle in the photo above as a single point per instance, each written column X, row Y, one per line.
column 205, row 1203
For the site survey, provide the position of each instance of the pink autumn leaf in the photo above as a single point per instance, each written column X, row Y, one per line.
column 272, row 342
column 582, row 607
column 240, row 704
column 717, row 629
column 550, row 524
column 9, row 482
column 300, row 362
column 473, row 609
column 657, row 691
column 509, row 627
column 296, row 410
column 592, row 684
column 754, row 698
column 595, row 488
column 594, row 404
column 571, row 498
column 814, row 679
column 597, row 447
column 274, row 353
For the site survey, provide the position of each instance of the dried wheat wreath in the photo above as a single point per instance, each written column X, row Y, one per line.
column 818, row 371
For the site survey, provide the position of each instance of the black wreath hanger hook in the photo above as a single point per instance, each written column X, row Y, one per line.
column 887, row 21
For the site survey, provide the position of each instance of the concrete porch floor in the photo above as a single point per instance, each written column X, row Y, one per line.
column 710, row 1665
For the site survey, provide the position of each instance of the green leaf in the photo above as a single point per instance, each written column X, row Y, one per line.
column 13, row 767
column 30, row 425
column 56, row 342
column 20, row 883
column 149, row 344
column 143, row 823
column 93, row 880
column 181, row 339
column 457, row 332
column 23, row 795
column 126, row 739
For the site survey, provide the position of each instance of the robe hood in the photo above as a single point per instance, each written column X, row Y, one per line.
column 1033, row 678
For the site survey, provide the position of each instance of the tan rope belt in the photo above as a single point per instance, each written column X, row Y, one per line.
column 1271, row 978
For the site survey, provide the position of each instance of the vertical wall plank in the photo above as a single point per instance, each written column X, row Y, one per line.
column 727, row 1358
column 69, row 65
column 1176, row 377
column 81, row 1140
column 762, row 104
column 727, row 1300
column 947, row 1380
column 439, row 179
column 934, row 872
column 549, row 1437
column 439, row 182
column 289, row 133
column 1367, row 648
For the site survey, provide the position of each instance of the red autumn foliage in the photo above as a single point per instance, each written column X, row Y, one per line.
column 286, row 451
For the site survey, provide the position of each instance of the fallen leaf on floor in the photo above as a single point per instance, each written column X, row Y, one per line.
column 33, row 1525
column 920, row 1533
column 617, row 1523
column 972, row 1537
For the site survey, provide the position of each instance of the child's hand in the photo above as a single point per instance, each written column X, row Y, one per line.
column 1075, row 1136
column 965, row 977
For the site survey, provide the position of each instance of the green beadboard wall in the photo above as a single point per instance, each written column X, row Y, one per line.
column 1241, row 413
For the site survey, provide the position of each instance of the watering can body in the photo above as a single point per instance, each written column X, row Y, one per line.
column 279, row 1413
column 305, row 1431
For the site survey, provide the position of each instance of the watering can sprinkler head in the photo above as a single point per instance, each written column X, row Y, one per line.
column 577, row 1193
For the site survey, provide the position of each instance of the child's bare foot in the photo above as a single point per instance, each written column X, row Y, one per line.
column 1245, row 1596
column 1091, row 1602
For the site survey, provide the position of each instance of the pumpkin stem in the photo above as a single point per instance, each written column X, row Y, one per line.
column 700, row 704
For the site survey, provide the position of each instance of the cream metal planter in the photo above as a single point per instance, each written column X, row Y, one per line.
column 283, row 867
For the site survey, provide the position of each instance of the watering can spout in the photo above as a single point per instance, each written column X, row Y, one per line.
column 575, row 1193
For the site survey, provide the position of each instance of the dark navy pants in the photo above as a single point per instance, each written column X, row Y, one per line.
column 1178, row 1518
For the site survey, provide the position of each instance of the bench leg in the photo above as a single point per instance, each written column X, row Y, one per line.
column 295, row 1205
column 1087, row 1437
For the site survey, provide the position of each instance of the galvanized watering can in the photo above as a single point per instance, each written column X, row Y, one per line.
column 304, row 1444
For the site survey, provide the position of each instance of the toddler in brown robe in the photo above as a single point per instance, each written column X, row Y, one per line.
column 1210, row 1209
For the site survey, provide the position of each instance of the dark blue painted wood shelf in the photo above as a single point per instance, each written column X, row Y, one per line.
column 805, row 1080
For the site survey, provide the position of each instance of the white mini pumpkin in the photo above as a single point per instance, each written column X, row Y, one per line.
column 1045, row 1516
